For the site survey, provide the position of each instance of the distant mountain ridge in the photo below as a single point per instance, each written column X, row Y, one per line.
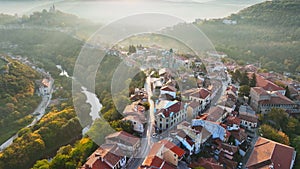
column 281, row 12
column 267, row 33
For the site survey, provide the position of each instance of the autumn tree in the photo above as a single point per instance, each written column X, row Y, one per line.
column 273, row 134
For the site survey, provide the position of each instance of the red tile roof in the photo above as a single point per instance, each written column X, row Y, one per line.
column 168, row 166
column 171, row 146
column 240, row 134
column 233, row 120
column 174, row 108
column 229, row 148
column 194, row 104
column 229, row 163
column 124, row 137
column 248, row 117
column 215, row 113
column 155, row 148
column 260, row 91
column 100, row 165
column 277, row 98
column 267, row 152
column 201, row 93
column 169, row 88
column 266, row 84
column 152, row 161
column 110, row 155
column 232, row 88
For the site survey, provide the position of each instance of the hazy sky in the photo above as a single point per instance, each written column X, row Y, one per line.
column 109, row 10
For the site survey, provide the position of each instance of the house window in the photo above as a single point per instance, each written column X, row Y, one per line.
column 167, row 125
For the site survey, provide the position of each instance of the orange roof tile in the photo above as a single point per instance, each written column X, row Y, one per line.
column 124, row 137
column 201, row 93
column 267, row 152
column 266, row 84
column 277, row 99
column 168, row 88
column 175, row 149
column 215, row 113
column 174, row 108
column 152, row 161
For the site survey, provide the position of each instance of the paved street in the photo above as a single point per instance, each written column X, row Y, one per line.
column 147, row 140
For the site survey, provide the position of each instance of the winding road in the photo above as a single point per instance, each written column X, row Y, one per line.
column 39, row 112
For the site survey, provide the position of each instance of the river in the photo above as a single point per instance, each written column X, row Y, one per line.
column 92, row 99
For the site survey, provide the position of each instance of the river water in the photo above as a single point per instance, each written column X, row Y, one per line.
column 92, row 99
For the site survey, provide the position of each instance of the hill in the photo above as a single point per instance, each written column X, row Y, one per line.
column 267, row 33
column 17, row 96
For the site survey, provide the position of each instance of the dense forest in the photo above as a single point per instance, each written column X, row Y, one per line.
column 17, row 96
column 266, row 33
column 55, row 129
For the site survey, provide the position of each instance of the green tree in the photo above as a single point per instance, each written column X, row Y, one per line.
column 244, row 91
column 252, row 82
column 273, row 134
column 244, row 80
column 277, row 118
column 132, row 49
column 41, row 164
column 287, row 92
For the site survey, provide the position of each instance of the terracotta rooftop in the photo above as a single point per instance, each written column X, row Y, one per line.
column 139, row 118
column 167, row 165
column 266, row 84
column 152, row 161
column 260, row 91
column 229, row 148
column 229, row 163
column 175, row 108
column 240, row 134
column 194, row 104
column 277, row 98
column 203, row 130
column 214, row 113
column 110, row 155
column 248, row 117
column 233, row 120
column 201, row 93
column 123, row 137
column 155, row 148
column 171, row 146
column 181, row 133
column 232, row 88
column 168, row 88
column 267, row 152
column 46, row 82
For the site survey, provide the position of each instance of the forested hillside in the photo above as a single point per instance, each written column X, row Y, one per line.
column 56, row 129
column 268, row 33
column 17, row 96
